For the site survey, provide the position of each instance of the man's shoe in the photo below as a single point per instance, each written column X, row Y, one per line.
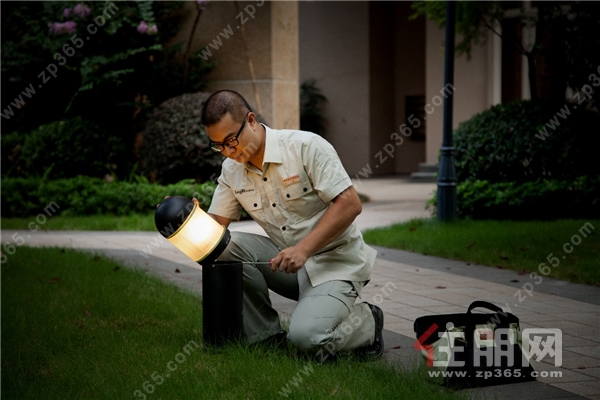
column 374, row 350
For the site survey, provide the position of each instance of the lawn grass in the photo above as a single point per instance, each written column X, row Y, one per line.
column 76, row 325
column 516, row 245
column 134, row 222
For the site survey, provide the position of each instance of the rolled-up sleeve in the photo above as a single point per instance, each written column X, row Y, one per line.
column 325, row 169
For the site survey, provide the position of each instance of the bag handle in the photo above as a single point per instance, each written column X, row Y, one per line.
column 484, row 304
column 470, row 331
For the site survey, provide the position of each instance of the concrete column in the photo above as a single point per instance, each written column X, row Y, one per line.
column 269, row 32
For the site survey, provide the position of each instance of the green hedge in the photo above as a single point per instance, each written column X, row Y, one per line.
column 62, row 149
column 88, row 196
column 504, row 143
column 537, row 200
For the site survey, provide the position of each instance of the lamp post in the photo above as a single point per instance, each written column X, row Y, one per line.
column 446, row 194
column 183, row 223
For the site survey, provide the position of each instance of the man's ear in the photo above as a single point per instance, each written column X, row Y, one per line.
column 252, row 119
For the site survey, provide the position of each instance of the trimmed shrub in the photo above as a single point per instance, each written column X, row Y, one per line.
column 543, row 199
column 63, row 149
column 539, row 200
column 89, row 196
column 175, row 145
column 507, row 143
column 525, row 160
column 12, row 144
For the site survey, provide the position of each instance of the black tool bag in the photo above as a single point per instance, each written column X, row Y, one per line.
column 471, row 350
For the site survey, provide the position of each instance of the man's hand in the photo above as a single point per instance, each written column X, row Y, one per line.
column 289, row 260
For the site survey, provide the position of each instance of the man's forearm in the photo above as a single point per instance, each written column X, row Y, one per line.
column 346, row 206
column 221, row 220
column 336, row 220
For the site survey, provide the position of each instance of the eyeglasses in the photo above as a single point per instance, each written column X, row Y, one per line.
column 231, row 142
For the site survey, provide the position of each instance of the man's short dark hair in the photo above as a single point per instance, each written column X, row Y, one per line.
column 221, row 103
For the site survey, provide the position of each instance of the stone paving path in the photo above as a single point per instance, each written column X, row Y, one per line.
column 406, row 286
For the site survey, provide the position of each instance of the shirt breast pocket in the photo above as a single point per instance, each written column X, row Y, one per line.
column 301, row 200
column 250, row 202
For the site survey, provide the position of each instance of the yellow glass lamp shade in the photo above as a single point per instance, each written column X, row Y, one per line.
column 191, row 230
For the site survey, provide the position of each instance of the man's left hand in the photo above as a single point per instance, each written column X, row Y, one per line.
column 289, row 260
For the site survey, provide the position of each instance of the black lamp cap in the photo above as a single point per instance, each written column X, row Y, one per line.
column 172, row 213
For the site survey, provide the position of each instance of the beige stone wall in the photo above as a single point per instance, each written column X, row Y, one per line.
column 409, row 62
column 471, row 83
column 334, row 50
column 271, row 33
column 382, row 96
column 367, row 57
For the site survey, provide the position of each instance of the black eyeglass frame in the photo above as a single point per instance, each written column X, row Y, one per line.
column 219, row 147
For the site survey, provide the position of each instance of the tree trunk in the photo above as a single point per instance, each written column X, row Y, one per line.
column 531, row 75
column 189, row 44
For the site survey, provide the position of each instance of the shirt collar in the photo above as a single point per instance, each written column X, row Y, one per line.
column 272, row 152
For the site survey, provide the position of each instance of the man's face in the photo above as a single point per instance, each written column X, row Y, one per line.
column 225, row 132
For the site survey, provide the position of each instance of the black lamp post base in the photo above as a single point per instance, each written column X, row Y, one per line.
column 222, row 289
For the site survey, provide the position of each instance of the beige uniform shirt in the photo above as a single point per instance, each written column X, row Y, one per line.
column 301, row 174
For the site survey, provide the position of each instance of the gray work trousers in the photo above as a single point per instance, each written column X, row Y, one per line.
column 326, row 316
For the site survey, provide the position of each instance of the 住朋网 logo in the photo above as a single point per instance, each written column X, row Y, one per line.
column 539, row 343
column 491, row 347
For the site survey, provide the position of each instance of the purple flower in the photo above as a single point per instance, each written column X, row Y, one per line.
column 202, row 4
column 67, row 12
column 58, row 28
column 81, row 10
column 142, row 27
column 55, row 28
column 70, row 26
column 52, row 27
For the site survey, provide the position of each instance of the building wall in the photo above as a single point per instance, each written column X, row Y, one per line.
column 382, row 96
column 334, row 50
column 397, row 70
column 366, row 58
column 471, row 86
column 409, row 64
column 271, row 37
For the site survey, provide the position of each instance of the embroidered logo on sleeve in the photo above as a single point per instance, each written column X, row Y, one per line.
column 243, row 191
column 291, row 179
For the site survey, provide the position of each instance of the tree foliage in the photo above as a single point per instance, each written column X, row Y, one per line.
column 566, row 34
column 104, row 61
column 62, row 149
